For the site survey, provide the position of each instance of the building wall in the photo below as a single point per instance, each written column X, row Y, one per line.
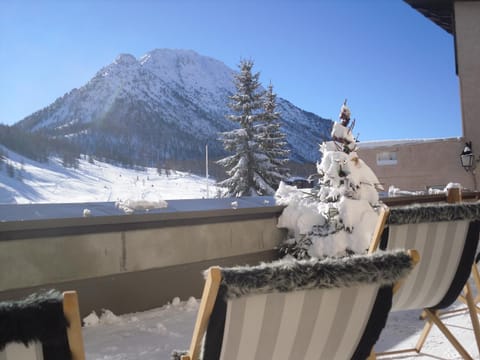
column 467, row 41
column 419, row 164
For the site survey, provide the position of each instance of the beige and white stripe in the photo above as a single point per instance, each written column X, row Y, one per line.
column 308, row 324
column 440, row 245
column 17, row 351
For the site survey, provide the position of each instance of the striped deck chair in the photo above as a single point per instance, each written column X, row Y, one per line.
column 312, row 309
column 42, row 326
column 447, row 236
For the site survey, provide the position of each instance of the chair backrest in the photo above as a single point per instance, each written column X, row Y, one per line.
column 329, row 309
column 43, row 326
column 446, row 235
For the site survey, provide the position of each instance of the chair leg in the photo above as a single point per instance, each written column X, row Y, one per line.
column 472, row 309
column 436, row 320
column 426, row 330
column 476, row 279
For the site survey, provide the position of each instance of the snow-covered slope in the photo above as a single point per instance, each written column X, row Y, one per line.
column 34, row 182
column 166, row 105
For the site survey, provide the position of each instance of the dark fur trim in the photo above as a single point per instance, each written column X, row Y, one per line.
column 39, row 317
column 384, row 268
column 419, row 213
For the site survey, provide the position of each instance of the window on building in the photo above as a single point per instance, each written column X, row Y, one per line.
column 387, row 158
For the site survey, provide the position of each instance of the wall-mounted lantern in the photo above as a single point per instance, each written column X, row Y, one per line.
column 467, row 158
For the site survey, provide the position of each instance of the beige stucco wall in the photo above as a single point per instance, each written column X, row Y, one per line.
column 467, row 38
column 420, row 164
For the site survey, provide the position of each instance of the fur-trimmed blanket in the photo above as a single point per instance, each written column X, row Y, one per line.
column 419, row 213
column 286, row 275
column 39, row 317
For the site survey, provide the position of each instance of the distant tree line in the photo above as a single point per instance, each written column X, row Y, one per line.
column 38, row 146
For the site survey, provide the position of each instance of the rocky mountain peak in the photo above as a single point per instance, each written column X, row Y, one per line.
column 166, row 105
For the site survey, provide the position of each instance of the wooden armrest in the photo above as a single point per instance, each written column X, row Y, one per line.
column 207, row 302
column 377, row 234
column 74, row 330
column 415, row 256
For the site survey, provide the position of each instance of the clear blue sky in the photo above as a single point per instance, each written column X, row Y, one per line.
column 396, row 67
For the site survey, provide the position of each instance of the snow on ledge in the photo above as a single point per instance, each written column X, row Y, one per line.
column 129, row 206
column 386, row 143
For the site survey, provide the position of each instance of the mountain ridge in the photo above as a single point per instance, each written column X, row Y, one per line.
column 166, row 105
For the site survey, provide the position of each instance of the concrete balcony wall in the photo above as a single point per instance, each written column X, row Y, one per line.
column 131, row 262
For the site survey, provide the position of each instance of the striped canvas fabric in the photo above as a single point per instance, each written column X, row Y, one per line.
column 308, row 324
column 441, row 246
column 16, row 351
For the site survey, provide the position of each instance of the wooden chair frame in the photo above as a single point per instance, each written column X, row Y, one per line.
column 74, row 330
column 476, row 281
column 209, row 295
column 377, row 234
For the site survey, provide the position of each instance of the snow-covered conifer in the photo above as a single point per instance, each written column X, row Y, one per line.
column 272, row 142
column 245, row 167
column 339, row 216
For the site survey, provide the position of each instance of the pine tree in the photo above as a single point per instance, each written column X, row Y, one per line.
column 273, row 142
column 243, row 166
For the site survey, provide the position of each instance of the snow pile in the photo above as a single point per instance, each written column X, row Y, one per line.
column 395, row 191
column 453, row 185
column 130, row 205
column 144, row 198
column 339, row 216
column 147, row 335
column 107, row 317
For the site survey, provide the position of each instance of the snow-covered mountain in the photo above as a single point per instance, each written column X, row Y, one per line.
column 165, row 105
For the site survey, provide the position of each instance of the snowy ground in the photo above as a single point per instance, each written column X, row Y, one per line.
column 154, row 334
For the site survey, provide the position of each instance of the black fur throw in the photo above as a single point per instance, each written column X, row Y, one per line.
column 39, row 317
column 286, row 275
column 419, row 213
